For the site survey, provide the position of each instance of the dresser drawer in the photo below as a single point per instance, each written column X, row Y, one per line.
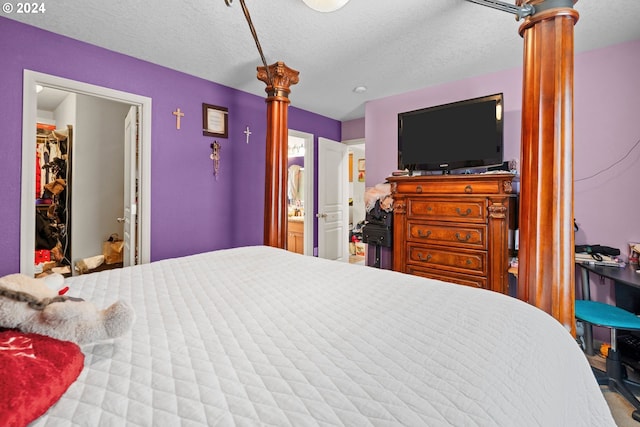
column 447, row 234
column 459, row 279
column 456, row 260
column 459, row 210
column 453, row 185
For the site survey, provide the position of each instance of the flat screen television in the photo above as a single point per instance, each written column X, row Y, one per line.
column 460, row 135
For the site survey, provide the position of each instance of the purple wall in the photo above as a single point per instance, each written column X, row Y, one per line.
column 247, row 196
column 606, row 128
column 353, row 129
column 191, row 211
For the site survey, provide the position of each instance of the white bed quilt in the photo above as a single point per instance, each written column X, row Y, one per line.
column 260, row 336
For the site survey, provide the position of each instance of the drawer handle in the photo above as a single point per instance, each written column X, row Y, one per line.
column 463, row 239
column 425, row 235
column 465, row 213
column 468, row 189
column 469, row 261
column 424, row 258
column 419, row 189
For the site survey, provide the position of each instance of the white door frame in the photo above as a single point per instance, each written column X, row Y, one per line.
column 309, row 196
column 29, row 117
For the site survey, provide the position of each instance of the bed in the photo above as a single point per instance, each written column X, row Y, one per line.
column 261, row 336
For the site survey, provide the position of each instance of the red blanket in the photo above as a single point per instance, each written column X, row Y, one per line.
column 35, row 371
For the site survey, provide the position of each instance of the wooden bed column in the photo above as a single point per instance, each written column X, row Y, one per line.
column 278, row 78
column 546, row 277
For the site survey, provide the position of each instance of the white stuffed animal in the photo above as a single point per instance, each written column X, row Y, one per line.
column 34, row 305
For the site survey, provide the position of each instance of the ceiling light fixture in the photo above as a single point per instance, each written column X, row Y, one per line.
column 325, row 5
column 360, row 89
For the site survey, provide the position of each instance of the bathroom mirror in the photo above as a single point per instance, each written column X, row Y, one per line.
column 295, row 192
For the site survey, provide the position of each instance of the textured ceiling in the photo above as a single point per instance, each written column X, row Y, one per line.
column 390, row 47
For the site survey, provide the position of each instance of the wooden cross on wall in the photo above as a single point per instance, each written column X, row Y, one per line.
column 178, row 114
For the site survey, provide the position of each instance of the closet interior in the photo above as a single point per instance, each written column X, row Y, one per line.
column 52, row 199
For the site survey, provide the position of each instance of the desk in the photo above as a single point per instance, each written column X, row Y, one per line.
column 627, row 288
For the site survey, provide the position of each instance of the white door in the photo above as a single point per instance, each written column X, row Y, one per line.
column 130, row 173
column 333, row 204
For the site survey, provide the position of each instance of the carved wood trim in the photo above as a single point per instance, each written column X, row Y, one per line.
column 399, row 230
column 497, row 211
column 400, row 207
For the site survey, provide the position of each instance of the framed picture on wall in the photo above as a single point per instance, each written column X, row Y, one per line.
column 350, row 167
column 360, row 170
column 215, row 120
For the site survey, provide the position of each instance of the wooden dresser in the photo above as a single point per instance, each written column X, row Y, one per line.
column 454, row 228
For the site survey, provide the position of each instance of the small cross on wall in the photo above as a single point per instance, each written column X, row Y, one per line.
column 178, row 114
column 247, row 132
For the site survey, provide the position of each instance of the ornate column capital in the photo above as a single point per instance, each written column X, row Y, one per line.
column 278, row 78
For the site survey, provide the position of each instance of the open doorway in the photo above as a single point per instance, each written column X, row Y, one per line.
column 300, row 193
column 73, row 237
column 88, row 203
column 357, row 211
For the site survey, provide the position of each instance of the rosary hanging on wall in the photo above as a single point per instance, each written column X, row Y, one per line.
column 215, row 156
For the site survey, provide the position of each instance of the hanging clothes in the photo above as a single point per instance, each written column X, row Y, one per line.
column 47, row 152
column 38, row 176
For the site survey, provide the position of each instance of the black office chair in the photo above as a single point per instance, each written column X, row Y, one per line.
column 614, row 318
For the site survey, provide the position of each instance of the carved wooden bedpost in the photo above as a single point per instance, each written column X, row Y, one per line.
column 278, row 78
column 546, row 256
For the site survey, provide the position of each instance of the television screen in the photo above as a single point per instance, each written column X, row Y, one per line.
column 460, row 135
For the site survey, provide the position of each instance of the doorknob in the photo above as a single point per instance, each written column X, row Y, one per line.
column 120, row 220
column 321, row 215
